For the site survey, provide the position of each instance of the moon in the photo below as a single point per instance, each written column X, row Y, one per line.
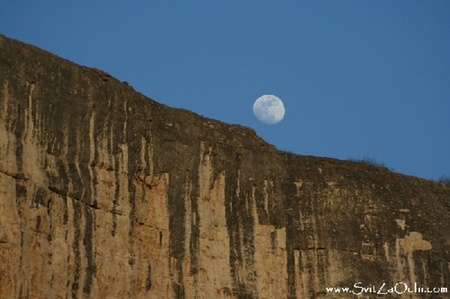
column 269, row 109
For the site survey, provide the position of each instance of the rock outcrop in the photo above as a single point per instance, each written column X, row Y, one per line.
column 105, row 193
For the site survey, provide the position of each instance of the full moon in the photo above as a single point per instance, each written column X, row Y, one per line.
column 269, row 109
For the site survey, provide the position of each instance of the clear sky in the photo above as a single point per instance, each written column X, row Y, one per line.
column 358, row 78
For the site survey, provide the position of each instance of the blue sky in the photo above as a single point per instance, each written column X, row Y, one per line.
column 358, row 78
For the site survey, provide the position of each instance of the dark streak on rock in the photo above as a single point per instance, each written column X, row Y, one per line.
column 59, row 185
column 148, row 281
column 89, row 249
column 194, row 242
column 40, row 197
column 115, row 200
column 132, row 218
column 21, row 190
column 290, row 205
column 38, row 223
column 74, row 177
column 50, row 216
column 86, row 182
column 125, row 135
column 178, row 288
column 176, row 230
column 94, row 195
column 233, row 225
column 21, row 193
column 77, row 217
column 248, row 241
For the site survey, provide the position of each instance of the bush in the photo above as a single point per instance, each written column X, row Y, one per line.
column 444, row 179
column 371, row 161
column 368, row 160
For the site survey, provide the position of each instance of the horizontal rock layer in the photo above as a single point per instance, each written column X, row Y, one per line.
column 105, row 193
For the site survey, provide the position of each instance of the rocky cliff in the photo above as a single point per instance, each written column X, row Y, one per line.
column 105, row 193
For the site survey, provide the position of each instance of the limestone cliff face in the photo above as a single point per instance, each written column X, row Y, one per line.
column 105, row 193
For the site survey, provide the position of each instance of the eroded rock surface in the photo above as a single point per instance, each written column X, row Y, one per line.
column 105, row 193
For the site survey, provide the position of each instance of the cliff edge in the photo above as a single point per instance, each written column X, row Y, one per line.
column 105, row 193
